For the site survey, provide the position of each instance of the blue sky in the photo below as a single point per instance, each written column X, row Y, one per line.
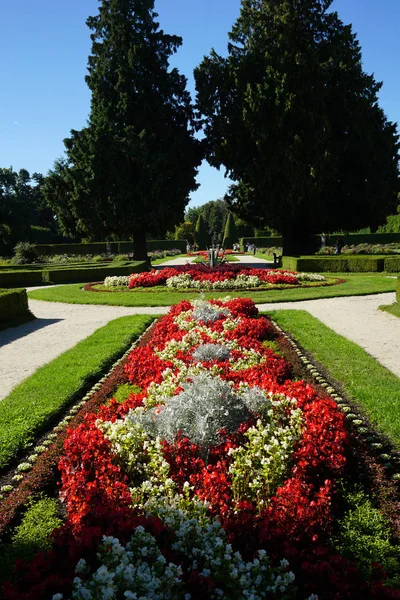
column 44, row 45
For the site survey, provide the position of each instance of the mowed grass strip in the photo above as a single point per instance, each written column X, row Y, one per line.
column 354, row 285
column 393, row 309
column 34, row 404
column 371, row 386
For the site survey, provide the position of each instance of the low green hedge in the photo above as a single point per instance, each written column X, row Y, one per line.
column 398, row 290
column 350, row 239
column 90, row 274
column 126, row 247
column 67, row 274
column 83, row 248
column 261, row 242
column 20, row 278
column 13, row 304
column 334, row 264
column 392, row 264
column 101, row 247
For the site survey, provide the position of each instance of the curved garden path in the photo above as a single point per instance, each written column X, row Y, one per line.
column 58, row 327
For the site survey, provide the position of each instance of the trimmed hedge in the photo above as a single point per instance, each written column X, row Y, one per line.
column 261, row 242
column 90, row 274
column 126, row 247
column 13, row 304
column 101, row 247
column 68, row 274
column 84, row 248
column 392, row 264
column 350, row 239
column 398, row 290
column 334, row 264
column 20, row 278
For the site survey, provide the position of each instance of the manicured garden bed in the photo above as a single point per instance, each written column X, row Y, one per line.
column 216, row 470
column 353, row 284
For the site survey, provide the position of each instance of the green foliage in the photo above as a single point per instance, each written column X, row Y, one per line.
column 364, row 536
column 13, row 303
column 125, row 390
column 21, row 278
column 335, row 264
column 202, row 236
column 31, row 536
column 68, row 273
column 392, row 264
column 34, row 404
column 25, row 253
column 285, row 114
column 230, row 233
column 22, row 204
column 136, row 161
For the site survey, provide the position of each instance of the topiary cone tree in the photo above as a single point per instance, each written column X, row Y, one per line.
column 131, row 170
column 201, row 233
column 295, row 121
column 230, row 233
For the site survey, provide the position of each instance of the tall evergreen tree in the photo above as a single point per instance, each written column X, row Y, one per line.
column 201, row 233
column 295, row 121
column 132, row 168
column 230, row 233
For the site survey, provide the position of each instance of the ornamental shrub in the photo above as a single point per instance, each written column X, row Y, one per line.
column 25, row 253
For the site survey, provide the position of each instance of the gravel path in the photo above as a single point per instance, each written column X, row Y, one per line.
column 58, row 327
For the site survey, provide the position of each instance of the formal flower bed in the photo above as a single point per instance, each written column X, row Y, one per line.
column 223, row 277
column 218, row 479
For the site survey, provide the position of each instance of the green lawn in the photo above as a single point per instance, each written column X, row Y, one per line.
column 371, row 386
column 355, row 284
column 393, row 309
column 34, row 404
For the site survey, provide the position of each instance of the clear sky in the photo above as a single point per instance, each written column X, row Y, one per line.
column 44, row 45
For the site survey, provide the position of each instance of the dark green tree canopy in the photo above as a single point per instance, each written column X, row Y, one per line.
column 295, row 121
column 132, row 168
column 22, row 205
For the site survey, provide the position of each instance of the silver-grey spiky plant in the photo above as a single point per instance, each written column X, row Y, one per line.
column 211, row 352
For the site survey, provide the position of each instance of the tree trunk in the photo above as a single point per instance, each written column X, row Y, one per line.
column 140, row 247
column 299, row 243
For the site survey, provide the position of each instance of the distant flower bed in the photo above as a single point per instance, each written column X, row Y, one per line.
column 224, row 277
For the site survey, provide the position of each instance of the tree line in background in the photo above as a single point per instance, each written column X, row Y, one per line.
column 289, row 113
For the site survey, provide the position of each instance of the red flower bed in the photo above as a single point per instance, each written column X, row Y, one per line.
column 295, row 522
column 202, row 272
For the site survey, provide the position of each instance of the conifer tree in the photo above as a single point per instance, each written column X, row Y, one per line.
column 230, row 234
column 202, row 236
column 295, row 120
column 134, row 165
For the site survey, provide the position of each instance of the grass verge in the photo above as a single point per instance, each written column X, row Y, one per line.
column 393, row 309
column 366, row 382
column 34, row 404
column 354, row 285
